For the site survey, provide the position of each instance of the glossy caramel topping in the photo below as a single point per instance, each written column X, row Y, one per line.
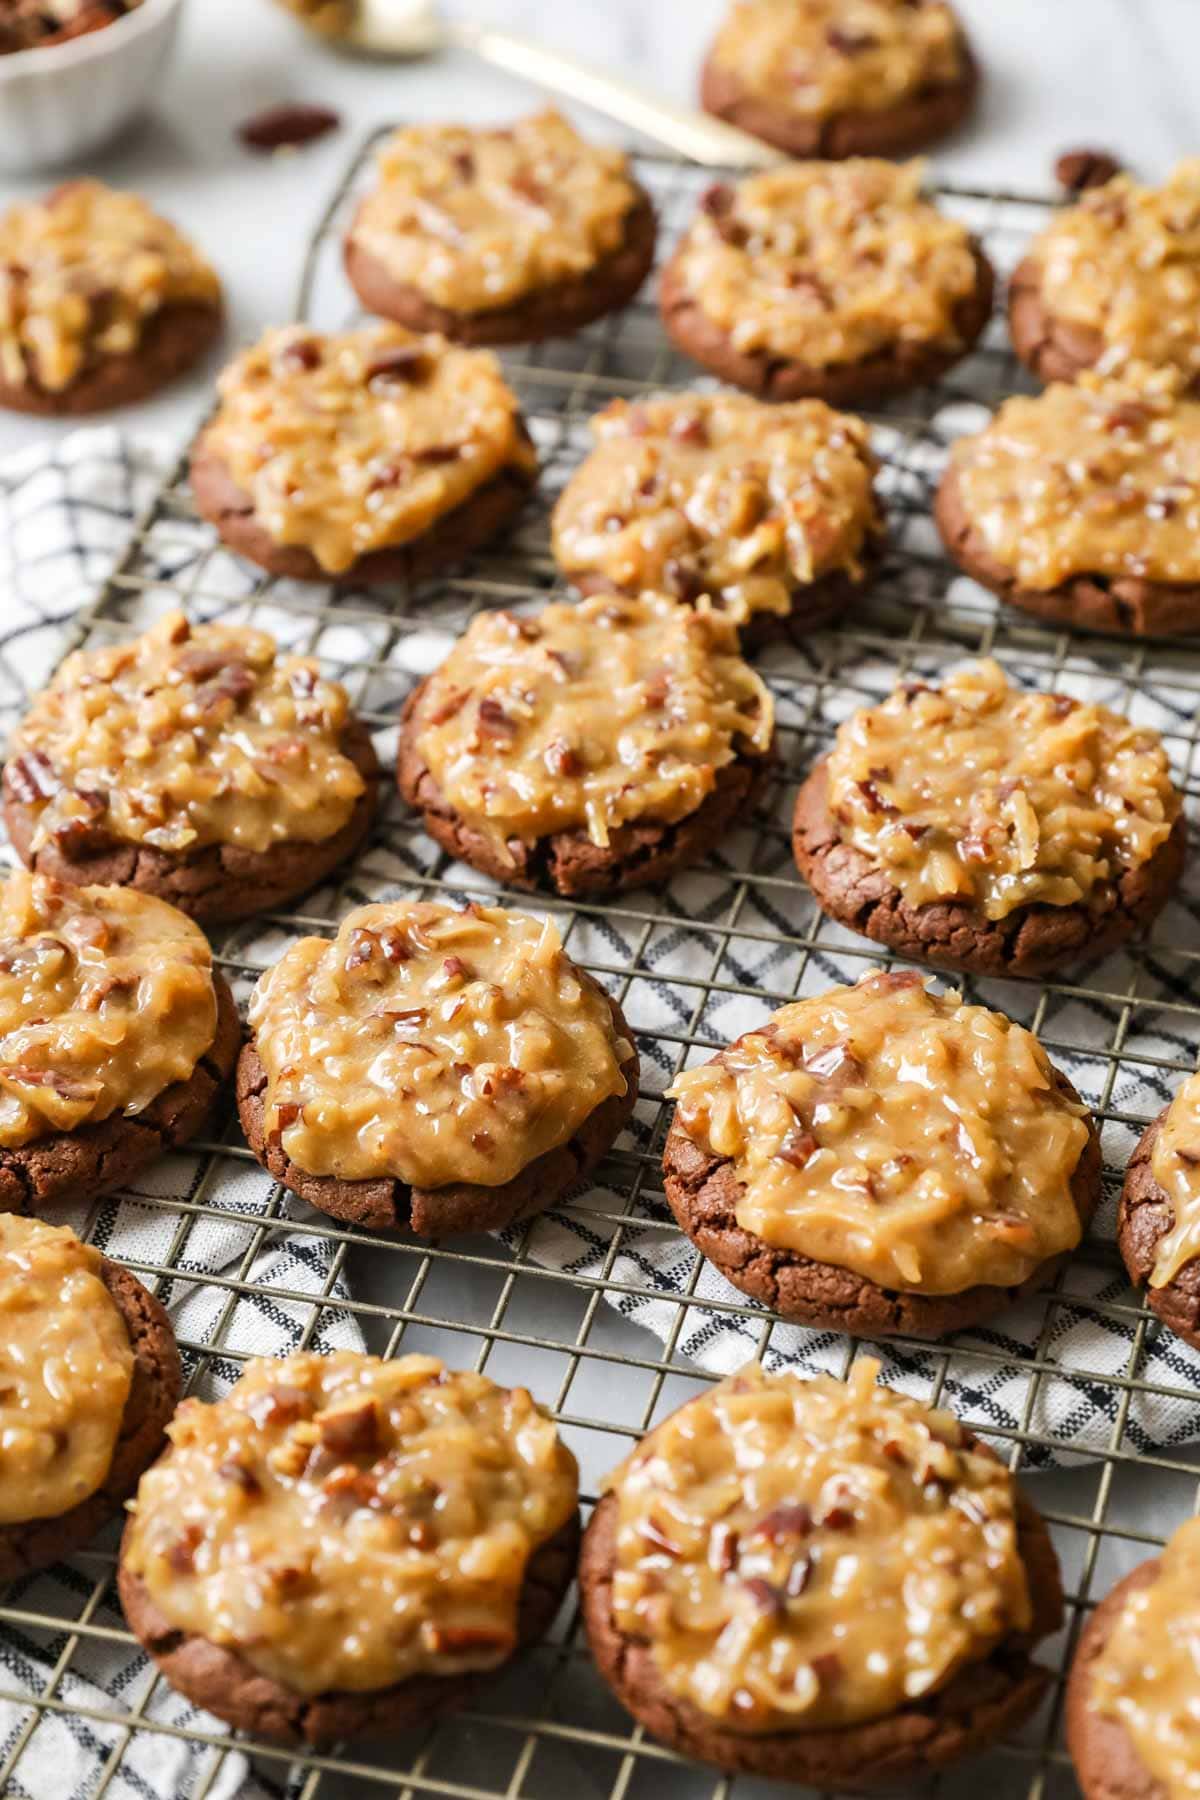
column 183, row 737
column 82, row 275
column 479, row 218
column 588, row 717
column 1147, row 1676
column 432, row 1045
column 345, row 1523
column 895, row 1132
column 66, row 1366
column 822, row 57
column 106, row 998
column 361, row 441
column 979, row 792
column 1099, row 478
column 801, row 1554
column 1175, row 1166
column 718, row 494
column 1124, row 262
column 828, row 263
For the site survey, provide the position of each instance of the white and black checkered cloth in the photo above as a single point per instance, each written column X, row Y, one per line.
column 1058, row 1375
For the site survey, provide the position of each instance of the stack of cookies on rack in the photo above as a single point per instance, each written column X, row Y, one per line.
column 816, row 1580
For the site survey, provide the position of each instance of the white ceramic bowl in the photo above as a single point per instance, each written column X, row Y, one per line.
column 58, row 103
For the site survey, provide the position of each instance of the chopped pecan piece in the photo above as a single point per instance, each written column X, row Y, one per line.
column 363, row 946
column 493, row 720
column 240, row 1476
column 286, row 1114
column 281, row 1405
column 1078, row 170
column 766, row 1596
column 797, row 1147
column 827, row 1668
column 30, row 778
column 690, row 428
column 67, row 1087
column 285, row 127
column 1131, row 415
column 456, row 968
column 560, row 759
column 838, row 1518
column 445, row 709
column 784, row 1522
column 683, row 580
column 873, row 800
column 352, row 1430
column 408, row 363
column 181, row 1557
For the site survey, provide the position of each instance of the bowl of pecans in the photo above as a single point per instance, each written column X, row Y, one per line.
column 73, row 73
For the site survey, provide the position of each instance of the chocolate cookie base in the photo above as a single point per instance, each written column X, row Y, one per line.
column 899, row 130
column 153, row 1395
column 893, row 371
column 1144, row 1217
column 554, row 311
column 814, row 604
column 1053, row 349
column 1123, row 604
column 173, row 340
column 391, row 1205
column 219, row 883
column 637, row 855
column 1106, row 1763
column 482, row 516
column 81, row 1165
column 704, row 1192
column 981, row 1704
column 1032, row 940
column 224, row 1683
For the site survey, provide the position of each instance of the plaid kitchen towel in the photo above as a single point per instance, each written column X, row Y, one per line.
column 1067, row 1376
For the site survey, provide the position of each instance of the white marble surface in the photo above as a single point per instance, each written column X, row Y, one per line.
column 1060, row 72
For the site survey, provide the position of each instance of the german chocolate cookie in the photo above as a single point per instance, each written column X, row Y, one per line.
column 116, row 1035
column 261, row 1567
column 194, row 763
column 1158, row 1221
column 892, row 79
column 838, row 280
column 767, row 513
column 90, row 1377
column 433, row 1070
column 990, row 829
column 881, row 1159
column 101, row 302
column 787, row 1521
column 1115, row 278
column 499, row 236
column 587, row 748
column 1083, row 506
column 1133, row 1689
column 360, row 457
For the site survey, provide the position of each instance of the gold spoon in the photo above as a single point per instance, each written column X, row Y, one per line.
column 412, row 28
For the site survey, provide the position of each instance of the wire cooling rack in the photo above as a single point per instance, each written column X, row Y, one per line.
column 601, row 1309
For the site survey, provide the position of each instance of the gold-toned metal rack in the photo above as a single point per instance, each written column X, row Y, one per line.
column 566, row 1315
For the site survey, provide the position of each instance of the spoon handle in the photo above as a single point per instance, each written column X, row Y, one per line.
column 690, row 133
